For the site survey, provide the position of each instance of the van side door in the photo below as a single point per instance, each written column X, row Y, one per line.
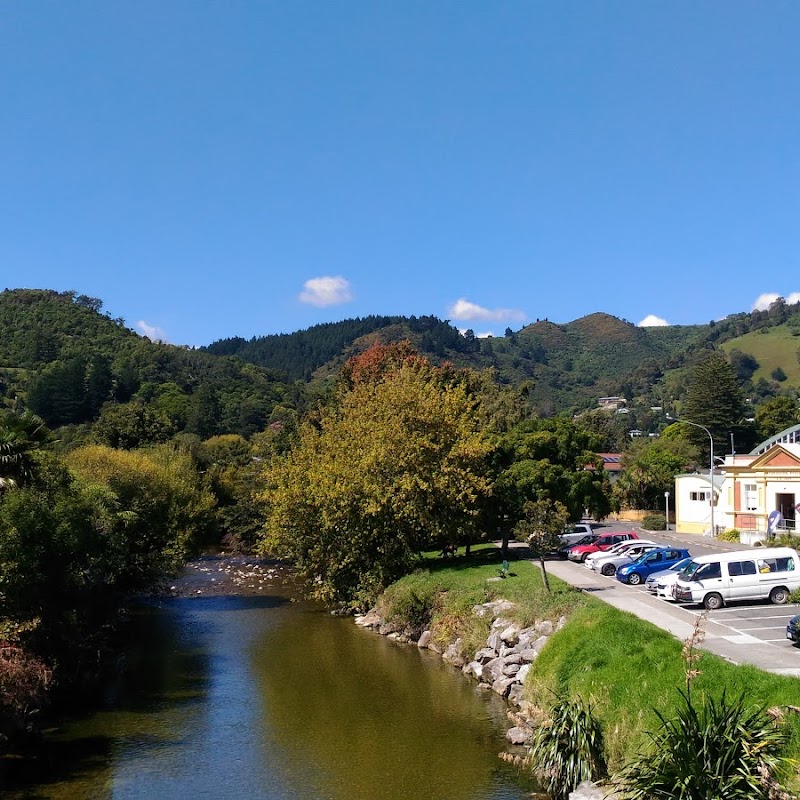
column 743, row 580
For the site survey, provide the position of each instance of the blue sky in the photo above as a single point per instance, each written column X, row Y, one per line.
column 241, row 168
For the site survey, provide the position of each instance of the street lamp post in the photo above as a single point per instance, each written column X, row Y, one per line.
column 711, row 464
column 666, row 504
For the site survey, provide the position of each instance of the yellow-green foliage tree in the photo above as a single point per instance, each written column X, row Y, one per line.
column 155, row 507
column 395, row 467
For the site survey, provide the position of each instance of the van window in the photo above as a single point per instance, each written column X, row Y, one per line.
column 736, row 568
column 785, row 564
column 707, row 571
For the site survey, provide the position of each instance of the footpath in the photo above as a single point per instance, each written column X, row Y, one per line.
column 782, row 660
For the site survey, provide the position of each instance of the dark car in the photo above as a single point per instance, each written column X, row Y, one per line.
column 793, row 629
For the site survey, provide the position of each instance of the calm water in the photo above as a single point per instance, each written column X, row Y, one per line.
column 271, row 699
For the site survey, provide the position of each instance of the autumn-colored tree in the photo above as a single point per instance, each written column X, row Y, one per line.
column 376, row 361
column 392, row 469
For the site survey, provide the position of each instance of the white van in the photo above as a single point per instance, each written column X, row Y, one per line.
column 766, row 572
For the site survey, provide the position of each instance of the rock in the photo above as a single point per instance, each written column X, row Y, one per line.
column 474, row 668
column 545, row 627
column 590, row 791
column 512, row 658
column 510, row 634
column 371, row 619
column 435, row 647
column 501, row 606
column 502, row 685
column 452, row 654
column 493, row 669
column 518, row 735
column 485, row 654
column 424, row 640
column 511, row 670
column 540, row 643
column 494, row 641
column 481, row 611
column 500, row 622
column 562, row 621
column 515, row 694
column 523, row 672
column 529, row 655
column 389, row 627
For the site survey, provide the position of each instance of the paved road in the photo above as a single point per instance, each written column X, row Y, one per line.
column 753, row 633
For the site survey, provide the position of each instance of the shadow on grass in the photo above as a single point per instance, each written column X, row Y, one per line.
column 482, row 556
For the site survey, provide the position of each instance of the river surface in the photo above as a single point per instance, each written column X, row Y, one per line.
column 265, row 697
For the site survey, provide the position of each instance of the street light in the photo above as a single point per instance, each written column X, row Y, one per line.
column 711, row 467
column 666, row 504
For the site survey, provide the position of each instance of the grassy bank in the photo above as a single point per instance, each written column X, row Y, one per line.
column 625, row 666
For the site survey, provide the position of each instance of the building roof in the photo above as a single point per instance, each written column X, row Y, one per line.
column 790, row 436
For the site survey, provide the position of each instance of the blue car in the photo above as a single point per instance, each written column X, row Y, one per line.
column 653, row 561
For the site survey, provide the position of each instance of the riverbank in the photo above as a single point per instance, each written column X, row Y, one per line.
column 627, row 668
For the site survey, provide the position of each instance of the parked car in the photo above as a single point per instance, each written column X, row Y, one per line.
column 758, row 574
column 608, row 563
column 575, row 533
column 618, row 549
column 654, row 561
column 602, row 542
column 793, row 629
column 588, row 538
column 666, row 575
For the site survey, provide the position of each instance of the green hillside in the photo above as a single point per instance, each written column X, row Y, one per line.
column 773, row 348
column 62, row 358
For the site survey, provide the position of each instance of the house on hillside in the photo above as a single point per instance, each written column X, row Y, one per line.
column 757, row 493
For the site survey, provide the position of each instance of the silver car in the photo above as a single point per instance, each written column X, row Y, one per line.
column 608, row 566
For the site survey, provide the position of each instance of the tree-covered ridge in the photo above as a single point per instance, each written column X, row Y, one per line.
column 298, row 355
column 70, row 364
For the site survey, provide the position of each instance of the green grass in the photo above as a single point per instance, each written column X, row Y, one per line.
column 772, row 348
column 625, row 666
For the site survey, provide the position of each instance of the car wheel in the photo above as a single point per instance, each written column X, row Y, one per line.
column 779, row 595
column 713, row 601
column 634, row 579
column 608, row 570
column 583, row 558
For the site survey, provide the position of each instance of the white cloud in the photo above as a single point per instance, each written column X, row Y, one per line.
column 152, row 332
column 652, row 321
column 764, row 301
column 793, row 298
column 326, row 291
column 478, row 335
column 464, row 310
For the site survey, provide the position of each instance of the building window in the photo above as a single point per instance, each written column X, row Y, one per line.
column 750, row 497
column 703, row 496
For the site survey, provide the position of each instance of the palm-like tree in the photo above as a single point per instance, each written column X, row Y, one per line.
column 20, row 436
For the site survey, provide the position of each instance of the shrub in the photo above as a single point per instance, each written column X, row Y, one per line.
column 731, row 535
column 654, row 522
column 720, row 749
column 568, row 749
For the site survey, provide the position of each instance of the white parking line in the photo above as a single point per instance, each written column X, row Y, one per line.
column 761, row 628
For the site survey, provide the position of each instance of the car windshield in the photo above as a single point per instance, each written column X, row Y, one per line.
column 677, row 567
column 687, row 573
column 588, row 539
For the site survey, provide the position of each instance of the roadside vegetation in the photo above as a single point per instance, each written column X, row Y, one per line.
column 633, row 675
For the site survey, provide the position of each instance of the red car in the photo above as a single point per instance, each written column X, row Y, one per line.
column 602, row 542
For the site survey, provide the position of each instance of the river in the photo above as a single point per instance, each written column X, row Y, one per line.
column 267, row 697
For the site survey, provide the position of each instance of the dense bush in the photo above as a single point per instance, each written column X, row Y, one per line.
column 731, row 535
column 654, row 522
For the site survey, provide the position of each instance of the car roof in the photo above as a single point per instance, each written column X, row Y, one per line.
column 758, row 552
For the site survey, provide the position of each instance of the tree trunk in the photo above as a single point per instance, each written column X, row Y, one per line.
column 544, row 574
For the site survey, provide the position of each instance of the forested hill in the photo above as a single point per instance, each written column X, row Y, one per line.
column 62, row 358
column 298, row 355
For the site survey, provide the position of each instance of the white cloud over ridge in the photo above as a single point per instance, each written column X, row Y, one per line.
column 152, row 332
column 764, row 301
column 326, row 291
column 463, row 309
column 652, row 321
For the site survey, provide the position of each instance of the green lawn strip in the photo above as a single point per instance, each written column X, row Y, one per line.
column 624, row 665
column 627, row 667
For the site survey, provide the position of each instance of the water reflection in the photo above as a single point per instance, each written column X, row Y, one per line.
column 259, row 697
